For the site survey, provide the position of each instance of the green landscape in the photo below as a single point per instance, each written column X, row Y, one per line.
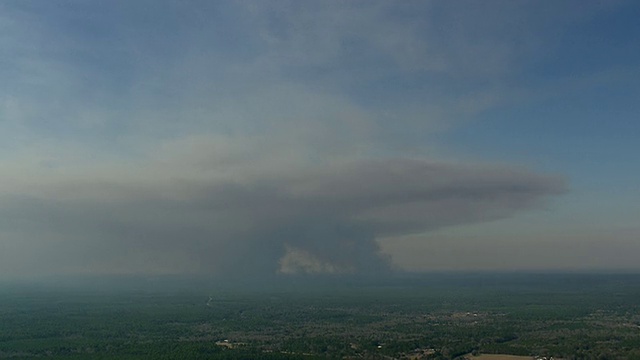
column 440, row 316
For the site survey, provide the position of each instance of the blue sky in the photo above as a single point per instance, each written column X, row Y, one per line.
column 310, row 137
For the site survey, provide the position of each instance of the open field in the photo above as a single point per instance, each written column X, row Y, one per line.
column 499, row 357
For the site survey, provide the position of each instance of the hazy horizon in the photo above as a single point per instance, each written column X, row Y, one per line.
column 260, row 139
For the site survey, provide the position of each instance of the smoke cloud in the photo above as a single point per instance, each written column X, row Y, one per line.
column 312, row 219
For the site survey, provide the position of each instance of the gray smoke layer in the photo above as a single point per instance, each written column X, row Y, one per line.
column 318, row 220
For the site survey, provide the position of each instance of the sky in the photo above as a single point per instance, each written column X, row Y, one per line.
column 250, row 138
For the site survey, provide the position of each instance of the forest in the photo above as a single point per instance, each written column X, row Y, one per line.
column 438, row 316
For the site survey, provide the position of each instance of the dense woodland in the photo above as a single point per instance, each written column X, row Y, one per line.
column 432, row 317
